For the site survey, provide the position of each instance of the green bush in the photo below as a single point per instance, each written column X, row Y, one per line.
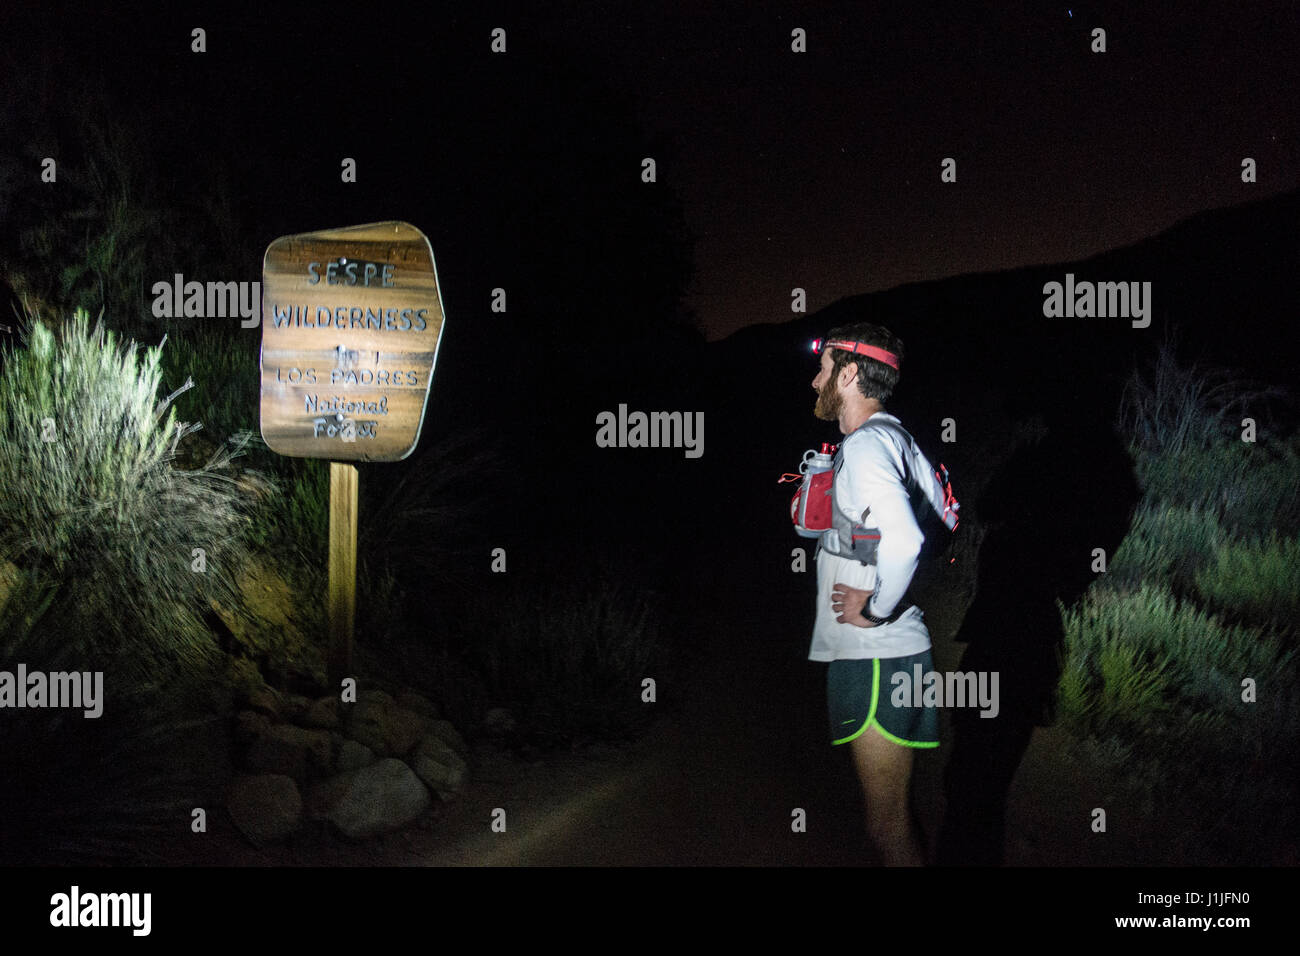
column 291, row 519
column 1108, row 683
column 91, row 505
column 1175, row 409
column 568, row 653
column 1199, row 597
column 1257, row 581
column 83, row 791
column 1131, row 689
column 1159, row 684
column 1134, row 659
column 225, row 372
column 1249, row 487
column 118, row 220
column 100, row 527
column 1166, row 546
column 304, row 523
column 426, row 519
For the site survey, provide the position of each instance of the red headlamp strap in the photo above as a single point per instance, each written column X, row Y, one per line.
column 862, row 348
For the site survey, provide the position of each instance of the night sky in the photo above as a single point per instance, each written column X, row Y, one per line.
column 822, row 170
column 818, row 170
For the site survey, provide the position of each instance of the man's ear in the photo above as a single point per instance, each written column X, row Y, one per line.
column 847, row 374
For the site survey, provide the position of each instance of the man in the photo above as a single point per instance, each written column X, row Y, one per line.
column 866, row 628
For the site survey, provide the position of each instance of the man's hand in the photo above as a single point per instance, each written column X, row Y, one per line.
column 849, row 603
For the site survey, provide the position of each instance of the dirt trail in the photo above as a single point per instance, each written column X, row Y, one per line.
column 715, row 782
column 741, row 745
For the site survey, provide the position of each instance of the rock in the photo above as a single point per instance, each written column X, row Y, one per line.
column 449, row 735
column 439, row 766
column 366, row 721
column 249, row 725
column 294, row 707
column 323, row 713
column 385, row 727
column 272, row 754
column 265, row 700
column 498, row 721
column 418, row 704
column 353, row 756
column 406, row 728
column 382, row 797
column 291, row 751
column 265, row 808
column 219, row 701
column 320, row 748
column 372, row 695
column 207, row 758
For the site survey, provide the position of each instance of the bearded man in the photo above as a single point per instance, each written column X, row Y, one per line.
column 866, row 629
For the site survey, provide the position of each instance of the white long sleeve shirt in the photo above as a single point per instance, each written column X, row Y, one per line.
column 873, row 476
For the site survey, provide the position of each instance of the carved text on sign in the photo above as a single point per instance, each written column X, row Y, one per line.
column 351, row 321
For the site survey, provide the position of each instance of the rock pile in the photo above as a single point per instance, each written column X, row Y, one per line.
column 366, row 768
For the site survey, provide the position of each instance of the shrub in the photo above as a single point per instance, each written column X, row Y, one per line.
column 118, row 222
column 106, row 790
column 1158, row 684
column 1166, row 546
column 1158, row 679
column 568, row 654
column 427, row 518
column 294, row 525
column 1133, row 658
column 1250, row 488
column 1256, row 581
column 91, row 505
column 226, row 391
column 1176, row 409
column 101, row 527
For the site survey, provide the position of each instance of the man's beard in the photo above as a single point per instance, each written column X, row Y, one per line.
column 829, row 402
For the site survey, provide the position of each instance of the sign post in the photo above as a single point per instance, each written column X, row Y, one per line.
column 342, row 606
column 351, row 322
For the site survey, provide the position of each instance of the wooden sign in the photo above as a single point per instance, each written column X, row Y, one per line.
column 351, row 320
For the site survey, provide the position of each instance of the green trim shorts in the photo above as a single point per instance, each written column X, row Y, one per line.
column 859, row 692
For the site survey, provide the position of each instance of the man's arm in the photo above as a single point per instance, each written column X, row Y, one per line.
column 875, row 475
column 849, row 604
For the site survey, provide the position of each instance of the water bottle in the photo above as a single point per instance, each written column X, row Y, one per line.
column 810, row 509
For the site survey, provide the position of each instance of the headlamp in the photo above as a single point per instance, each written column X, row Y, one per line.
column 857, row 348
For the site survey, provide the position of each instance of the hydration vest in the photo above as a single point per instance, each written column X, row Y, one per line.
column 929, row 489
